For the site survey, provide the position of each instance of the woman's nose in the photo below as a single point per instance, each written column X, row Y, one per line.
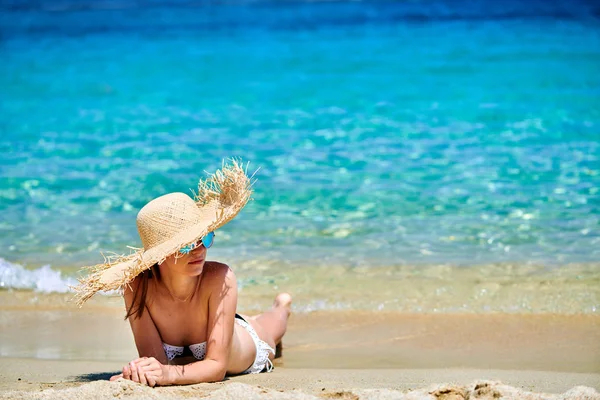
column 199, row 248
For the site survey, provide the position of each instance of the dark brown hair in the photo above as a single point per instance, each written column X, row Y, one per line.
column 140, row 291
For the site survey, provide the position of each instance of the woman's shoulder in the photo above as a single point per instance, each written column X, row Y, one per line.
column 215, row 272
column 212, row 267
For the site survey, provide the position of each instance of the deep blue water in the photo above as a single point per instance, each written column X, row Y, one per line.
column 386, row 133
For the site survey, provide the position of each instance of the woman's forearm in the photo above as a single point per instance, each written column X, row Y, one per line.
column 197, row 372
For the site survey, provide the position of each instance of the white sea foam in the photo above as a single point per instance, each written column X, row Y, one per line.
column 43, row 279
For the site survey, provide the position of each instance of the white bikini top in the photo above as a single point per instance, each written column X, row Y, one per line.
column 198, row 350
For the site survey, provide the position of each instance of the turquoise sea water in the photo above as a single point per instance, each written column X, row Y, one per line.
column 386, row 133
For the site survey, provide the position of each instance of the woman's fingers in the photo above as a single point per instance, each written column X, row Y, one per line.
column 145, row 361
column 141, row 375
column 115, row 377
column 150, row 379
column 134, row 372
column 144, row 370
column 127, row 372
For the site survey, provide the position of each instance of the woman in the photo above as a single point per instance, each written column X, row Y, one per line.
column 181, row 307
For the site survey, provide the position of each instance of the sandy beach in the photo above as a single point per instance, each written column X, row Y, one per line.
column 327, row 354
column 32, row 379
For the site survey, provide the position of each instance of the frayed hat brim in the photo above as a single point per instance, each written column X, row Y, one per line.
column 220, row 198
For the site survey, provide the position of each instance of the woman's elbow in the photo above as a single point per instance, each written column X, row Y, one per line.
column 219, row 372
column 220, row 375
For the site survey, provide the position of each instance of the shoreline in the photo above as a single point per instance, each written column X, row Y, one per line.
column 447, row 289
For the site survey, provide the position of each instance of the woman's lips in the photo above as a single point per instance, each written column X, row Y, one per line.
column 198, row 261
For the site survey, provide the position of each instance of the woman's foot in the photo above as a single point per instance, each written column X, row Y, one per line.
column 283, row 300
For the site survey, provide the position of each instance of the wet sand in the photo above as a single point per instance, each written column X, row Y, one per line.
column 47, row 327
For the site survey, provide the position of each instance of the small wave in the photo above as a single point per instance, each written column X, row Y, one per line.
column 43, row 279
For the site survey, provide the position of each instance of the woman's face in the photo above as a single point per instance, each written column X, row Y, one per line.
column 190, row 264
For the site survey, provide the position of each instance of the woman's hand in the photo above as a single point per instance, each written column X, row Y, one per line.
column 145, row 370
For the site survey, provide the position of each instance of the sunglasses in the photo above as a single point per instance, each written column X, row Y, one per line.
column 206, row 241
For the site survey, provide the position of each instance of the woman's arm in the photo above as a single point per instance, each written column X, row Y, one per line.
column 221, row 313
column 152, row 370
column 147, row 338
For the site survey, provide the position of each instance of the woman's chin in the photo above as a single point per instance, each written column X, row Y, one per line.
column 196, row 267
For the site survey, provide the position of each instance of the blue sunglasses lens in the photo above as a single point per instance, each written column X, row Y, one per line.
column 208, row 240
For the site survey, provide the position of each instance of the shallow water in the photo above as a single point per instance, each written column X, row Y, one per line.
column 419, row 135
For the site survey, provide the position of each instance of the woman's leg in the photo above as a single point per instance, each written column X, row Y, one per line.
column 272, row 324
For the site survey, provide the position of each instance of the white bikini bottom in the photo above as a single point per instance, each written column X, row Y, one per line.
column 261, row 361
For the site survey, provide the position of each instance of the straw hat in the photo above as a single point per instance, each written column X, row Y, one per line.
column 170, row 222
